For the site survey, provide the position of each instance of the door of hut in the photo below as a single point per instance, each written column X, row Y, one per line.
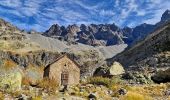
column 64, row 78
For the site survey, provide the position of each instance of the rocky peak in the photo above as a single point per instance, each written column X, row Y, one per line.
column 91, row 34
column 73, row 29
column 54, row 30
column 83, row 27
column 166, row 15
column 93, row 28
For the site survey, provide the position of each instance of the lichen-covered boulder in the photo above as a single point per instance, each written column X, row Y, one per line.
column 116, row 69
column 11, row 81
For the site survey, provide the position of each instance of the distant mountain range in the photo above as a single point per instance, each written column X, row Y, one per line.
column 103, row 34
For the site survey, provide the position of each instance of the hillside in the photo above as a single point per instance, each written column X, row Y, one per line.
column 153, row 51
column 32, row 48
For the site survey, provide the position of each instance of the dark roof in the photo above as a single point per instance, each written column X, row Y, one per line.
column 63, row 55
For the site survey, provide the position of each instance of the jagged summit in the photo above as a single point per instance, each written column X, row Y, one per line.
column 93, row 34
column 104, row 34
column 166, row 15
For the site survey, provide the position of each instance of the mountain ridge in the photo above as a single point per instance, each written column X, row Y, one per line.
column 103, row 34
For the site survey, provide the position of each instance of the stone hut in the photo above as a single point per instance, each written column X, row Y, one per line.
column 64, row 71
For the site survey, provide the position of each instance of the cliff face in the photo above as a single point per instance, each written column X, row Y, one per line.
column 37, row 58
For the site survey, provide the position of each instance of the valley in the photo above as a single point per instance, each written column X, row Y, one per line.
column 86, row 62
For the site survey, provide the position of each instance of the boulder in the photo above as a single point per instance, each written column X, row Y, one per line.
column 122, row 91
column 92, row 96
column 23, row 97
column 161, row 76
column 11, row 81
column 100, row 72
column 116, row 69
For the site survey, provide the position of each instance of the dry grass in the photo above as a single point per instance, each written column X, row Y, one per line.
column 37, row 68
column 110, row 83
column 151, row 90
column 8, row 64
column 48, row 84
column 15, row 94
column 1, row 96
column 135, row 96
column 37, row 98
column 145, row 92
column 33, row 74
column 25, row 81
column 99, row 81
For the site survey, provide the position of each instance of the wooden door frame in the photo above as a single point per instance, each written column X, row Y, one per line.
column 64, row 78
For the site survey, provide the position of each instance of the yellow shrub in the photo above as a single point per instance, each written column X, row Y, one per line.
column 110, row 83
column 99, row 81
column 46, row 83
column 135, row 96
column 37, row 98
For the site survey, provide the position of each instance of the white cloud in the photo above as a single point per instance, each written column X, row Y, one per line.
column 85, row 6
column 69, row 12
column 130, row 6
column 11, row 3
column 107, row 13
column 159, row 8
column 141, row 12
column 117, row 3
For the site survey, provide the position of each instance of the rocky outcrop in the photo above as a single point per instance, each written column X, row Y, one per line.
column 162, row 76
column 116, row 69
column 38, row 58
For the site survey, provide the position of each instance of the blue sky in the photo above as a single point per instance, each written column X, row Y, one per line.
column 41, row 14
